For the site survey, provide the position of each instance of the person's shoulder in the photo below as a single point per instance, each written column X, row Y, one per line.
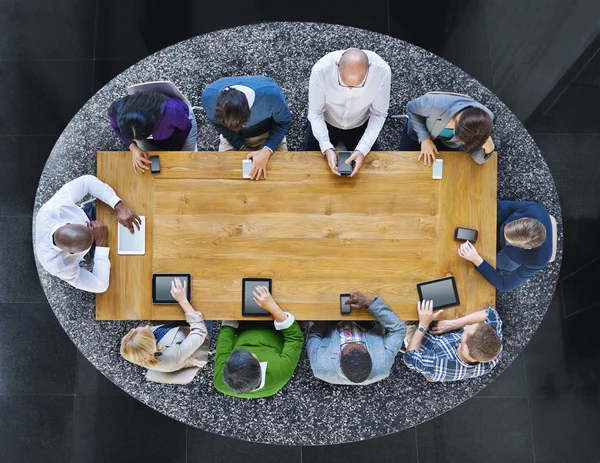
column 377, row 61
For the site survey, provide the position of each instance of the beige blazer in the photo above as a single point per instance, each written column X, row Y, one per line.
column 184, row 346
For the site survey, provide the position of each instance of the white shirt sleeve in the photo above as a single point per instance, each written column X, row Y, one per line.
column 88, row 184
column 316, row 111
column 94, row 282
column 378, row 113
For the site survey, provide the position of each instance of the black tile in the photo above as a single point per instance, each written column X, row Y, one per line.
column 138, row 28
column 35, row 429
column 565, row 430
column 22, row 160
column 575, row 111
column 47, row 29
column 545, row 362
column 37, row 355
column 43, row 96
column 511, row 383
column 580, row 243
column 563, row 355
column 211, row 16
column 91, row 382
column 480, row 430
column 580, row 290
column 400, row 447
column 590, row 74
column 20, row 282
column 447, row 29
column 574, row 167
column 533, row 44
column 121, row 429
column 204, row 447
column 107, row 69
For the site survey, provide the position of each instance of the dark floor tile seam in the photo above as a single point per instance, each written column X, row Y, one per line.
column 37, row 395
column 531, row 430
column 489, row 47
column 416, row 445
column 583, row 310
column 389, row 27
column 579, row 269
column 533, row 134
column 10, row 60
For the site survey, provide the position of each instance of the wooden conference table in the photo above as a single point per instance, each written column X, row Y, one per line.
column 315, row 234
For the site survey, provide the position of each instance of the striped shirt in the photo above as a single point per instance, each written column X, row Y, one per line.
column 438, row 358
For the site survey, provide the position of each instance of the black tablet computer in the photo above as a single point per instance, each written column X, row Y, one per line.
column 161, row 287
column 249, row 307
column 442, row 292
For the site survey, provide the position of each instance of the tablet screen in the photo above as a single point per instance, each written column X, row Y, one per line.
column 441, row 292
column 161, row 286
column 249, row 307
column 132, row 244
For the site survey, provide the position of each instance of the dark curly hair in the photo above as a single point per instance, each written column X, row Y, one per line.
column 356, row 365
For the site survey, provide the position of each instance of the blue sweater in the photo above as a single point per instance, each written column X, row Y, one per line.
column 269, row 112
column 531, row 260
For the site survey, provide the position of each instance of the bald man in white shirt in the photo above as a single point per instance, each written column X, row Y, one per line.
column 348, row 101
column 64, row 233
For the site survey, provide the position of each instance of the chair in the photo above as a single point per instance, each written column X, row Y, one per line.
column 161, row 86
column 184, row 376
column 554, row 238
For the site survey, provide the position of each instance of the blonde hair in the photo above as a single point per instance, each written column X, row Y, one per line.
column 526, row 233
column 139, row 346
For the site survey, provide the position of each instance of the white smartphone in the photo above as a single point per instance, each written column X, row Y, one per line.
column 438, row 166
column 246, row 168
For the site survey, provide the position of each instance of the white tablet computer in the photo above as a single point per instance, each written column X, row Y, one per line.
column 132, row 244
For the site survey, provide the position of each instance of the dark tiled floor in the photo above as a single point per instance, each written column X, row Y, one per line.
column 55, row 406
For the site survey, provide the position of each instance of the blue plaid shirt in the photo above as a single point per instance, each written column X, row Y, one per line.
column 438, row 359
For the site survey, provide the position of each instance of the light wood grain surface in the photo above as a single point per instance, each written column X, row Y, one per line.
column 316, row 235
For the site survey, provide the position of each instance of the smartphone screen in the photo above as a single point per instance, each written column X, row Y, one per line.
column 343, row 168
column 154, row 164
column 466, row 234
column 437, row 169
column 344, row 308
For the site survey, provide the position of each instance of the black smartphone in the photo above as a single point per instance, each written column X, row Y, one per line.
column 154, row 164
column 465, row 234
column 344, row 308
column 343, row 168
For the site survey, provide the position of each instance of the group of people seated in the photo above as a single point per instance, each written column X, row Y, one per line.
column 349, row 92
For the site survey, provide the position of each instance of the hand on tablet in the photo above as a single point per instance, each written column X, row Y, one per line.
column 178, row 290
column 127, row 218
column 426, row 315
column 358, row 158
column 99, row 231
column 468, row 251
column 359, row 301
column 263, row 298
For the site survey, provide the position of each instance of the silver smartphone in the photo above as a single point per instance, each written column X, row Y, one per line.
column 246, row 168
column 438, row 166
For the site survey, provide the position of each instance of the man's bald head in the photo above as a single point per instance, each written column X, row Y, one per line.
column 354, row 65
column 73, row 238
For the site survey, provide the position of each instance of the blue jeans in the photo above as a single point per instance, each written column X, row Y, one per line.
column 504, row 263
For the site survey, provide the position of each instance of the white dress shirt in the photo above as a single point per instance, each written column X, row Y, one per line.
column 60, row 210
column 348, row 108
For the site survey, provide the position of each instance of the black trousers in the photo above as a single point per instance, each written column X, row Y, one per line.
column 350, row 137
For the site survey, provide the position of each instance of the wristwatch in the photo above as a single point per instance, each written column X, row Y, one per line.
column 422, row 330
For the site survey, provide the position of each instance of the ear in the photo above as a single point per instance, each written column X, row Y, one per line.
column 337, row 63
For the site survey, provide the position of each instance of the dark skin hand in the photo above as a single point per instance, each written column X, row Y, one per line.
column 359, row 301
column 127, row 218
column 99, row 232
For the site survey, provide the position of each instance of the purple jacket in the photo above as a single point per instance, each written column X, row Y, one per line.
column 170, row 133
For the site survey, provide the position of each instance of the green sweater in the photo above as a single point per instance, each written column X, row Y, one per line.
column 281, row 349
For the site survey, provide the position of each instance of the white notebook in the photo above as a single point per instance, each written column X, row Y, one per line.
column 132, row 244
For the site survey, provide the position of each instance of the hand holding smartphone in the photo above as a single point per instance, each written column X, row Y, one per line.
column 343, row 168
